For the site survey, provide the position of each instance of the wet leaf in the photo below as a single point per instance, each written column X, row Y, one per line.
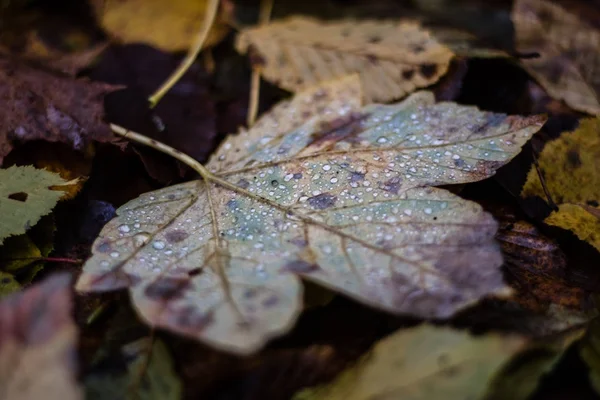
column 146, row 372
column 38, row 343
column 343, row 200
column 26, row 196
column 43, row 106
column 568, row 65
column 570, row 166
column 429, row 362
column 170, row 26
column 393, row 58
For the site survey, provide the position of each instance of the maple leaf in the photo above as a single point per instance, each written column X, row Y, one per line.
column 428, row 362
column 568, row 63
column 166, row 25
column 343, row 199
column 570, row 166
column 393, row 58
column 38, row 343
column 43, row 106
column 26, row 196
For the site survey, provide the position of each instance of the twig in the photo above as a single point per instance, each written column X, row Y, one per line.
column 209, row 18
column 543, row 182
column 46, row 259
column 266, row 6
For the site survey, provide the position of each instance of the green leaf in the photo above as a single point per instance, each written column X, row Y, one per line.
column 140, row 377
column 428, row 362
column 343, row 199
column 25, row 196
column 8, row 284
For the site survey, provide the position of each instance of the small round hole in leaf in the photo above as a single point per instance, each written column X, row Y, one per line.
column 19, row 196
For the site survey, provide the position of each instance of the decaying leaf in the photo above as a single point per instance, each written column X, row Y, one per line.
column 571, row 169
column 393, row 58
column 26, row 196
column 343, row 200
column 430, row 362
column 42, row 106
column 171, row 26
column 149, row 374
column 569, row 63
column 38, row 343
column 544, row 301
column 465, row 44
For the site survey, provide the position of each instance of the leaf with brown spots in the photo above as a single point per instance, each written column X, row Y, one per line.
column 570, row 166
column 394, row 58
column 429, row 362
column 568, row 66
column 343, row 198
column 38, row 343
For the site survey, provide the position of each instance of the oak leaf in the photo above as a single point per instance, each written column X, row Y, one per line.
column 336, row 194
column 428, row 362
column 38, row 343
column 568, row 47
column 393, row 58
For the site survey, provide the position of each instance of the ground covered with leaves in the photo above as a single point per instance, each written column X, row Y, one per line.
column 345, row 200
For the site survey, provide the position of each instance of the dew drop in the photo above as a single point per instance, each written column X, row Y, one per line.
column 104, row 263
column 326, row 167
column 428, row 211
column 158, row 245
column 382, row 140
column 407, row 212
column 114, row 254
column 141, row 239
column 124, row 228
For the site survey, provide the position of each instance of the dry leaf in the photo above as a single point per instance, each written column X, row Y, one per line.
column 168, row 25
column 343, row 200
column 393, row 58
column 570, row 166
column 569, row 63
column 26, row 196
column 429, row 362
column 38, row 343
column 42, row 106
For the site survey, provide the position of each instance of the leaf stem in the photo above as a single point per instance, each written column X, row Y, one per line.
column 46, row 259
column 209, row 18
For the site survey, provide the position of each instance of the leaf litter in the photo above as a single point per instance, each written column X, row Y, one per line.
column 344, row 199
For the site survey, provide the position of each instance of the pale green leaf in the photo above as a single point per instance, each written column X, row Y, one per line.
column 25, row 196
column 8, row 284
column 429, row 363
column 149, row 374
column 345, row 202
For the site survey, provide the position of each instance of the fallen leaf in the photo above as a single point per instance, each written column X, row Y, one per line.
column 26, row 196
column 428, row 362
column 42, row 106
column 149, row 374
column 343, row 200
column 465, row 44
column 8, row 284
column 570, row 166
column 568, row 63
column 170, row 26
column 579, row 220
column 393, row 58
column 38, row 343
column 590, row 353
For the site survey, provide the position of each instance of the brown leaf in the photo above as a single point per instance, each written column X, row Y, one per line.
column 37, row 343
column 569, row 62
column 38, row 105
column 394, row 58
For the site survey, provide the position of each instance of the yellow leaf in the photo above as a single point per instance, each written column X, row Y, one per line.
column 168, row 25
column 394, row 58
column 578, row 220
column 568, row 62
column 570, row 166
